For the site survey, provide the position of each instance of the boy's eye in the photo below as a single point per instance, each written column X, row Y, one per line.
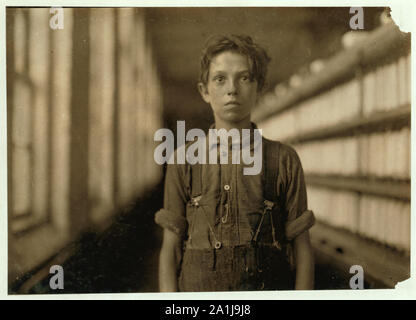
column 245, row 78
column 219, row 79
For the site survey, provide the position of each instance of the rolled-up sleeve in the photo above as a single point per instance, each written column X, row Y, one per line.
column 294, row 182
column 173, row 214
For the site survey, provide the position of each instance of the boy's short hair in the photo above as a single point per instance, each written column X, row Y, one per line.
column 243, row 44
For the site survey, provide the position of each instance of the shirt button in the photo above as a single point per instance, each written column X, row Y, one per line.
column 226, row 187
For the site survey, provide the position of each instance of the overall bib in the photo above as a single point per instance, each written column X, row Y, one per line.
column 261, row 264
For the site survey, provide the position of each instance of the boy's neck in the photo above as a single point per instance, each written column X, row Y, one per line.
column 243, row 124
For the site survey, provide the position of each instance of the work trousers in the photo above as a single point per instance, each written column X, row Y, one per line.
column 240, row 268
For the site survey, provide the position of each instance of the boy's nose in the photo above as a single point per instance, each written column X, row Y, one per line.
column 232, row 88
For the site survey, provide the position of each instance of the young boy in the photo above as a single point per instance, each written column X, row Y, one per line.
column 220, row 233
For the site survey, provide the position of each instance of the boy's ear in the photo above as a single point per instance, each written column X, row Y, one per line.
column 203, row 90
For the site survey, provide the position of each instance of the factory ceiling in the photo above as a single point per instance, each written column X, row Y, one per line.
column 293, row 36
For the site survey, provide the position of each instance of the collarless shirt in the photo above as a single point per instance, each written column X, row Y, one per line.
column 229, row 201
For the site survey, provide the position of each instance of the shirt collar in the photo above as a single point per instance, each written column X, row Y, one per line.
column 245, row 139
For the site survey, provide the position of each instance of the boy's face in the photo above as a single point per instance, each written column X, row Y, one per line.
column 229, row 90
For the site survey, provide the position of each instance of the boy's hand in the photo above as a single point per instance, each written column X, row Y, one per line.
column 170, row 256
column 304, row 262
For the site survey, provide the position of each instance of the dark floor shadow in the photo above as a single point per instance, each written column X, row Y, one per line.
column 124, row 258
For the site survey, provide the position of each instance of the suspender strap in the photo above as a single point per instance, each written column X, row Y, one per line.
column 271, row 172
column 196, row 173
column 271, row 168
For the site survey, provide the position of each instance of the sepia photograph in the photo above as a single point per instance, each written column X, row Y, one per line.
column 207, row 149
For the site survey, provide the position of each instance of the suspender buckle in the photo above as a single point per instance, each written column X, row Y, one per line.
column 268, row 205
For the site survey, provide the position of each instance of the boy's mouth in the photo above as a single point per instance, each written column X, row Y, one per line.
column 232, row 104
